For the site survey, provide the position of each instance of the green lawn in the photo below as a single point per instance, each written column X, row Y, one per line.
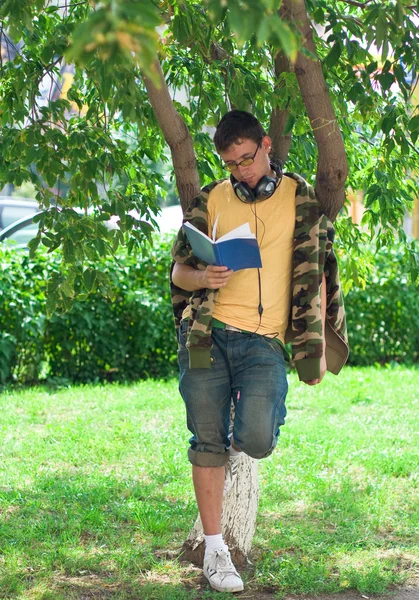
column 96, row 497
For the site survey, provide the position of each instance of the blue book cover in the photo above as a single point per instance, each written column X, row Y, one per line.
column 238, row 249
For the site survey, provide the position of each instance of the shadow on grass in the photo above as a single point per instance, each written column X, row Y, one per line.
column 94, row 588
column 67, row 527
column 77, row 536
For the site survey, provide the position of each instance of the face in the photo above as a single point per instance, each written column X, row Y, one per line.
column 246, row 148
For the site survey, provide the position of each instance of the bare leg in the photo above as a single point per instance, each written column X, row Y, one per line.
column 218, row 568
column 209, row 483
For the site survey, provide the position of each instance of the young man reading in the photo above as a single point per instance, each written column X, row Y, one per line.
column 232, row 325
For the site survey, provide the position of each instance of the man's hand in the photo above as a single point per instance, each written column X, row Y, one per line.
column 191, row 279
column 215, row 277
column 323, row 369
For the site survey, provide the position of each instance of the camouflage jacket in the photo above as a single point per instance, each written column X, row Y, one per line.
column 312, row 256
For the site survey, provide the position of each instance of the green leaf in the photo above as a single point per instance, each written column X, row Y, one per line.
column 67, row 289
column 89, row 279
column 334, row 54
column 291, row 119
column 381, row 27
column 245, row 27
column 388, row 122
column 52, row 302
column 33, row 245
column 180, row 28
column 372, row 67
column 355, row 92
column 399, row 13
column 287, row 39
column 386, row 80
column 413, row 124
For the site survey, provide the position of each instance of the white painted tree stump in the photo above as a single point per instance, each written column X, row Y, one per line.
column 238, row 519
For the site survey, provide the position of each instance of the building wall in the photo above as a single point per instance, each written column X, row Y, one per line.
column 356, row 210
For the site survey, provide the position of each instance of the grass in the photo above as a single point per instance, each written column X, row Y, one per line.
column 95, row 491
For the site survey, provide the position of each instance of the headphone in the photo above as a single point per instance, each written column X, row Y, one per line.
column 264, row 189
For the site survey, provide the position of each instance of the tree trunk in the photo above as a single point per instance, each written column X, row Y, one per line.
column 332, row 166
column 177, row 136
column 241, row 503
column 238, row 519
column 280, row 143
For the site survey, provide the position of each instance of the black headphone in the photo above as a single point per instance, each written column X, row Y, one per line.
column 264, row 188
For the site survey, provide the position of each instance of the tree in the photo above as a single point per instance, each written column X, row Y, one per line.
column 332, row 80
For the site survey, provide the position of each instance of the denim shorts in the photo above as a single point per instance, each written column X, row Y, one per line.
column 248, row 369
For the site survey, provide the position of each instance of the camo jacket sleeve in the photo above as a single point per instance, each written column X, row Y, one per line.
column 201, row 302
column 313, row 255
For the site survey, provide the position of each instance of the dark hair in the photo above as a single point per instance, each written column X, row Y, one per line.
column 236, row 125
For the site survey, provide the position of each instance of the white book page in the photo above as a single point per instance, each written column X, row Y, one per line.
column 214, row 229
column 197, row 230
column 243, row 231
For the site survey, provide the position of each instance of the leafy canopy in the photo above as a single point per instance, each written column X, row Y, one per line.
column 77, row 122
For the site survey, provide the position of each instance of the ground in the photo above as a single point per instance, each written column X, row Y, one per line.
column 407, row 592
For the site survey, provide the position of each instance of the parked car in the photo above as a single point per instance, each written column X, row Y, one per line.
column 170, row 219
column 13, row 209
column 20, row 232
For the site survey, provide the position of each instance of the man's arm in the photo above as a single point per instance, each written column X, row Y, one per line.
column 323, row 302
column 190, row 279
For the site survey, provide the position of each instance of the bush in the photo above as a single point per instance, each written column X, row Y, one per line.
column 129, row 337
column 383, row 319
column 132, row 336
column 22, row 320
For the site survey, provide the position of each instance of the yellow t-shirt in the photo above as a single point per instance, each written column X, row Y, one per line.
column 273, row 222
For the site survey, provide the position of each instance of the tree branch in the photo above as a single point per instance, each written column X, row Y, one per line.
column 332, row 166
column 411, row 7
column 358, row 4
column 73, row 5
column 176, row 135
column 217, row 52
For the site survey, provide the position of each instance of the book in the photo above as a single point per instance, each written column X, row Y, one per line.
column 238, row 249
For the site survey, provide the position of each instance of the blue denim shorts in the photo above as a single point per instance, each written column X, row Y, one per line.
column 248, row 369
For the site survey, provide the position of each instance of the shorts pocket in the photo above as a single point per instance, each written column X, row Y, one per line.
column 183, row 332
column 276, row 346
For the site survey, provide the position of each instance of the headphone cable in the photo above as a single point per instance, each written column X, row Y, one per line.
column 260, row 305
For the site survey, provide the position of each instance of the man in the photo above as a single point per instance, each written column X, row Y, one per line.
column 232, row 325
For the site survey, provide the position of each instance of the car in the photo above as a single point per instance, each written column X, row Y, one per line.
column 170, row 219
column 20, row 232
column 13, row 209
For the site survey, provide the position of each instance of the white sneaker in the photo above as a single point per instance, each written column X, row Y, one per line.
column 231, row 469
column 221, row 573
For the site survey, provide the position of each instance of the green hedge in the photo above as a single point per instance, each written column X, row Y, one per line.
column 383, row 319
column 127, row 338
column 132, row 336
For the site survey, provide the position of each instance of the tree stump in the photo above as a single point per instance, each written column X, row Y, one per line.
column 238, row 519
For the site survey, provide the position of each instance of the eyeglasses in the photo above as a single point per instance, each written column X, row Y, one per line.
column 246, row 162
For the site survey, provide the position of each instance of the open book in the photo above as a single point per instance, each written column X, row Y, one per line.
column 238, row 249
